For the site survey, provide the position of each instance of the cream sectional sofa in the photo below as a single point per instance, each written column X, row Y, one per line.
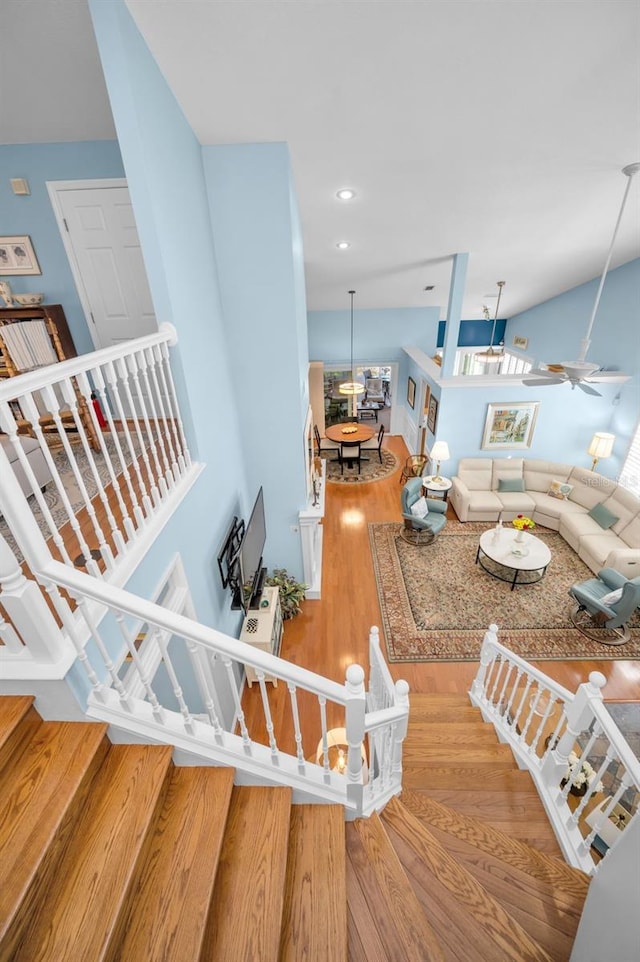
column 486, row 488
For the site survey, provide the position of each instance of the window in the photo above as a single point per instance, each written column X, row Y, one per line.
column 630, row 476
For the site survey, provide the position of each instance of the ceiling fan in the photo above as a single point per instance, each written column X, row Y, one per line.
column 582, row 373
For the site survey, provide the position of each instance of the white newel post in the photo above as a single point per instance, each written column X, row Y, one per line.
column 23, row 601
column 355, row 710
column 400, row 729
column 579, row 715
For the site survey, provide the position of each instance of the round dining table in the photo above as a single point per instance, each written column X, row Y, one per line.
column 343, row 433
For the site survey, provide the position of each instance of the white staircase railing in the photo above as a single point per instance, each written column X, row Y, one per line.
column 105, row 434
column 199, row 662
column 584, row 770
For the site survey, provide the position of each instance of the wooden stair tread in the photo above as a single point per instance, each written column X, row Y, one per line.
column 246, row 910
column 383, row 907
column 36, row 793
column 464, row 778
column 171, row 891
column 471, row 913
column 18, row 722
column 314, row 924
column 571, row 883
column 475, row 733
column 76, row 913
column 476, row 756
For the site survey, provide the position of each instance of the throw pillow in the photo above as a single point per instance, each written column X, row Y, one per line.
column 560, row 490
column 602, row 516
column 611, row 598
column 420, row 508
column 511, row 484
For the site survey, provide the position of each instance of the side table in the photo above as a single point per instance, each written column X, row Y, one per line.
column 439, row 486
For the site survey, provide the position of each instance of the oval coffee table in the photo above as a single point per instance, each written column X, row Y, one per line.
column 510, row 557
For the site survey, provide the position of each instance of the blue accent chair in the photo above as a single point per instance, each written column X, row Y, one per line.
column 420, row 531
column 600, row 617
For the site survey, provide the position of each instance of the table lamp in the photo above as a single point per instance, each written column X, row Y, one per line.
column 439, row 452
column 601, row 446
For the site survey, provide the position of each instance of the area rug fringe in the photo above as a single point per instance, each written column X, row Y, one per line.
column 437, row 603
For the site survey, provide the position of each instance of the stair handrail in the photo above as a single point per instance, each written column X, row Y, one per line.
column 109, row 699
column 545, row 725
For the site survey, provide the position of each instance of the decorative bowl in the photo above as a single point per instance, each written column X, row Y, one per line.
column 28, row 300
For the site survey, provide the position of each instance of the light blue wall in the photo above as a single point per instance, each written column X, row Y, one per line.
column 259, row 255
column 33, row 215
column 379, row 335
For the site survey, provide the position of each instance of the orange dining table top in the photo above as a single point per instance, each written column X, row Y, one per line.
column 336, row 432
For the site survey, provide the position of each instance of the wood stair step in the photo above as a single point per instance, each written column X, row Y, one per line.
column 246, row 911
column 170, row 894
column 469, row 921
column 386, row 920
column 41, row 788
column 456, row 733
column 78, row 903
column 314, row 923
column 462, row 778
column 424, row 754
column 18, row 722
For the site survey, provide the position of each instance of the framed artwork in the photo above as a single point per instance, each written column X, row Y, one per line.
column 509, row 425
column 432, row 414
column 411, row 392
column 17, row 256
column 520, row 342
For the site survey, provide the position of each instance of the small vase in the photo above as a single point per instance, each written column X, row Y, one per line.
column 520, row 536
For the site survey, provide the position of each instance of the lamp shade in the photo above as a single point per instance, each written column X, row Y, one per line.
column 440, row 451
column 601, row 445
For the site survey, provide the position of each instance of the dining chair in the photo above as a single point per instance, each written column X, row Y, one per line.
column 350, row 451
column 375, row 443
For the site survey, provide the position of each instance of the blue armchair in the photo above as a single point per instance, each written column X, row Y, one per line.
column 599, row 611
column 416, row 530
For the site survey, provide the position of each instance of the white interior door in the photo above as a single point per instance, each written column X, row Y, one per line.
column 101, row 239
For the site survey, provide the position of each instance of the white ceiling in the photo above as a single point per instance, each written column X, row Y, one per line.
column 493, row 127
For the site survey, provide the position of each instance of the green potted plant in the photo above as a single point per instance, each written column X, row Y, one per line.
column 291, row 591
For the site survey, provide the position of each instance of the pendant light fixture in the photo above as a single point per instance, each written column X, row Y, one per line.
column 491, row 355
column 351, row 387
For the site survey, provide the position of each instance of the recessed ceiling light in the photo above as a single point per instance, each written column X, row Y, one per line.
column 342, row 245
column 429, row 287
column 346, row 193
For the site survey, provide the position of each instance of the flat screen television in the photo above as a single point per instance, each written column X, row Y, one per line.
column 249, row 559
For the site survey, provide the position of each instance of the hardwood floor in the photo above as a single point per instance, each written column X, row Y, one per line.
column 332, row 633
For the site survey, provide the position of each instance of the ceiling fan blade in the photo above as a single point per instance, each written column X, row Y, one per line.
column 542, row 381
column 587, row 390
column 611, row 377
column 543, row 372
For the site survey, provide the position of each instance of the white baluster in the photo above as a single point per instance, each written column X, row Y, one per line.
column 117, row 379
column 165, row 478
column 155, row 473
column 233, row 685
column 322, row 701
column 171, row 393
column 168, row 435
column 187, row 717
column 297, row 732
column 125, row 698
column 487, row 657
column 205, row 686
column 156, row 707
column 400, row 728
column 275, row 757
column 63, row 611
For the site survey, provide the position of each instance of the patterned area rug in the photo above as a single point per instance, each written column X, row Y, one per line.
column 437, row 602
column 73, row 492
column 370, row 470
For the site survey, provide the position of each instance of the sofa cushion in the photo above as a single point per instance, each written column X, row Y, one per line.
column 539, row 474
column 595, row 549
column 625, row 505
column 510, row 484
column 602, row 516
column 559, row 489
column 476, row 473
column 516, row 502
column 630, row 534
column 589, row 488
column 506, row 469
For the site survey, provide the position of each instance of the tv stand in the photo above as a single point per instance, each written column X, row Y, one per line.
column 262, row 628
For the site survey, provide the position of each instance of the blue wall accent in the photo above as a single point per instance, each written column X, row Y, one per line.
column 474, row 333
column 33, row 215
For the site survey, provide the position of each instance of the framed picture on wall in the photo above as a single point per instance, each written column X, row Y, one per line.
column 509, row 425
column 411, row 392
column 17, row 256
column 432, row 414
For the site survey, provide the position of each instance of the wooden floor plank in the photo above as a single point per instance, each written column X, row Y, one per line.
column 399, row 920
column 246, row 912
column 77, row 913
column 37, row 793
column 170, row 895
column 314, row 922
